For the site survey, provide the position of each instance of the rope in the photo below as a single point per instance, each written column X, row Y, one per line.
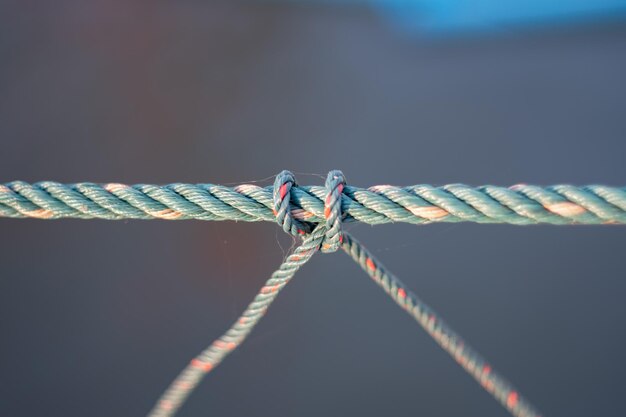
column 443, row 334
column 316, row 215
column 328, row 237
column 206, row 361
column 417, row 204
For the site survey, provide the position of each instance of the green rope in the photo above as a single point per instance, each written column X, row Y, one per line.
column 206, row 361
column 328, row 237
column 316, row 214
column 418, row 204
column 470, row 360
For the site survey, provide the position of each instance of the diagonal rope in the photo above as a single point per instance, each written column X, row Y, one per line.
column 471, row 361
column 448, row 339
column 187, row 381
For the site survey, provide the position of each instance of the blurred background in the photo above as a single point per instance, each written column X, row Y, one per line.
column 97, row 317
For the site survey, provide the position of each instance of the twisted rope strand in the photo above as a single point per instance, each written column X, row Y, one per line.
column 187, row 381
column 417, row 204
column 447, row 338
column 335, row 183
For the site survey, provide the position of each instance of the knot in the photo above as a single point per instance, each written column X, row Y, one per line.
column 335, row 183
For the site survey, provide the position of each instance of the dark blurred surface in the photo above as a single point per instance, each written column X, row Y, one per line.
column 97, row 317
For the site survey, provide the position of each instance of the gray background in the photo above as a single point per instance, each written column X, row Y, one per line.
column 97, row 317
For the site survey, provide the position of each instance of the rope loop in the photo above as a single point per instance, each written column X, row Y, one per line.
column 282, row 207
column 333, row 237
column 335, row 183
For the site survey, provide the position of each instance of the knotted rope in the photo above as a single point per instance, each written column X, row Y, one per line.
column 328, row 237
column 316, row 214
column 335, row 183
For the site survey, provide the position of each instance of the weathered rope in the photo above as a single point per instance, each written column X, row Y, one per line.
column 418, row 204
column 335, row 183
column 206, row 361
column 447, row 338
column 316, row 214
column 328, row 237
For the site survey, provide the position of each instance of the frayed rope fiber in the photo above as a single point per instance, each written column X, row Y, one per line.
column 316, row 215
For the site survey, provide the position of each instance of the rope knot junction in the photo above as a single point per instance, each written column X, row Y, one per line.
column 333, row 214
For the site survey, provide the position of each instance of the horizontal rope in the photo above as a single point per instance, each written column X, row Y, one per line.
column 417, row 204
column 316, row 214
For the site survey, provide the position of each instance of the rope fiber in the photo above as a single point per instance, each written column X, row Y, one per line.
column 316, row 215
